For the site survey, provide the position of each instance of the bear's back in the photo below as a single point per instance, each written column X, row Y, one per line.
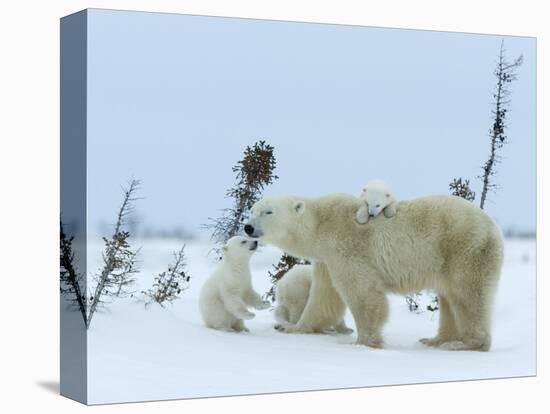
column 425, row 235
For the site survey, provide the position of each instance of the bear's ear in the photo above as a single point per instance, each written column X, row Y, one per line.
column 299, row 207
column 224, row 248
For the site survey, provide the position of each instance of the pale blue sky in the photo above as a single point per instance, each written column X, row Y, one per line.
column 174, row 99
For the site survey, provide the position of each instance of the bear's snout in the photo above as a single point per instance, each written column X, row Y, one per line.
column 248, row 229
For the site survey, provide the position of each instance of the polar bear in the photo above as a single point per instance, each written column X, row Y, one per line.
column 226, row 295
column 377, row 197
column 443, row 243
column 292, row 293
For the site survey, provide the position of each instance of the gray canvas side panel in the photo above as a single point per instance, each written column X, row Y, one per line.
column 73, row 370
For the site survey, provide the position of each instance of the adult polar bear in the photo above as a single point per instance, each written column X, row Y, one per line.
column 438, row 242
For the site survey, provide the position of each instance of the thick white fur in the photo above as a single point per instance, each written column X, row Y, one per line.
column 377, row 197
column 443, row 243
column 227, row 294
column 292, row 294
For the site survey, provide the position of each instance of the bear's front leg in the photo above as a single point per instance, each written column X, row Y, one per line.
column 370, row 314
column 235, row 305
column 390, row 210
column 239, row 326
column 362, row 215
column 253, row 299
column 368, row 305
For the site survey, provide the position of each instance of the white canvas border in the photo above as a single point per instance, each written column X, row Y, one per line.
column 30, row 168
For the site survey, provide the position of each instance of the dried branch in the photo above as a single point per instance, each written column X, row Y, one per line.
column 253, row 173
column 169, row 284
column 462, row 189
column 70, row 278
column 505, row 73
column 286, row 262
column 119, row 260
column 416, row 302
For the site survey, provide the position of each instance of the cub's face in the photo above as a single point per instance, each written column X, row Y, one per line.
column 271, row 218
column 377, row 200
column 240, row 247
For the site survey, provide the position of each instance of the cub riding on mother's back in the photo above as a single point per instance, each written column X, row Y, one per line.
column 377, row 198
column 443, row 243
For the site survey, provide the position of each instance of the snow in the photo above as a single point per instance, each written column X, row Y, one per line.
column 139, row 354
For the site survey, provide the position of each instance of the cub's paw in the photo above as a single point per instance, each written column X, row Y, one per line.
column 263, row 305
column 454, row 346
column 435, row 341
column 279, row 327
column 362, row 217
column 296, row 329
column 372, row 341
column 345, row 331
column 248, row 315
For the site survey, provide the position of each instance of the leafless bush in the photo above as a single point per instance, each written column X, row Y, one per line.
column 169, row 284
column 117, row 275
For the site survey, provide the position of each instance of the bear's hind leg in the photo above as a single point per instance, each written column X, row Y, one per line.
column 473, row 314
column 448, row 330
column 321, row 293
column 281, row 316
column 294, row 313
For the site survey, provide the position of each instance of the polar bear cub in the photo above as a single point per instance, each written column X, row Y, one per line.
column 377, row 197
column 226, row 295
column 292, row 294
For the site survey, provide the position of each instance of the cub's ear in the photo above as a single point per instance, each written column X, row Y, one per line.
column 300, row 207
column 224, row 248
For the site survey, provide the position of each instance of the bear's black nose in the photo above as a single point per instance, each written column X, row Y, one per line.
column 248, row 229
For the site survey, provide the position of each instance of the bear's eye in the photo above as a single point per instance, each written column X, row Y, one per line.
column 243, row 242
column 378, row 205
column 269, row 212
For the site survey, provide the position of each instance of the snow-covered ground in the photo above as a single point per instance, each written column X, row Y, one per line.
column 138, row 354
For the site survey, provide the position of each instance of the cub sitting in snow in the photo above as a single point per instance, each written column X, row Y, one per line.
column 292, row 294
column 376, row 197
column 227, row 294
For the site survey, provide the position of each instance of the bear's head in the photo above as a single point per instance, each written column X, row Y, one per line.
column 305, row 227
column 376, row 200
column 239, row 248
column 377, row 195
column 273, row 218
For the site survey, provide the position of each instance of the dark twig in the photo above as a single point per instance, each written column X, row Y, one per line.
column 70, row 278
column 286, row 262
column 461, row 188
